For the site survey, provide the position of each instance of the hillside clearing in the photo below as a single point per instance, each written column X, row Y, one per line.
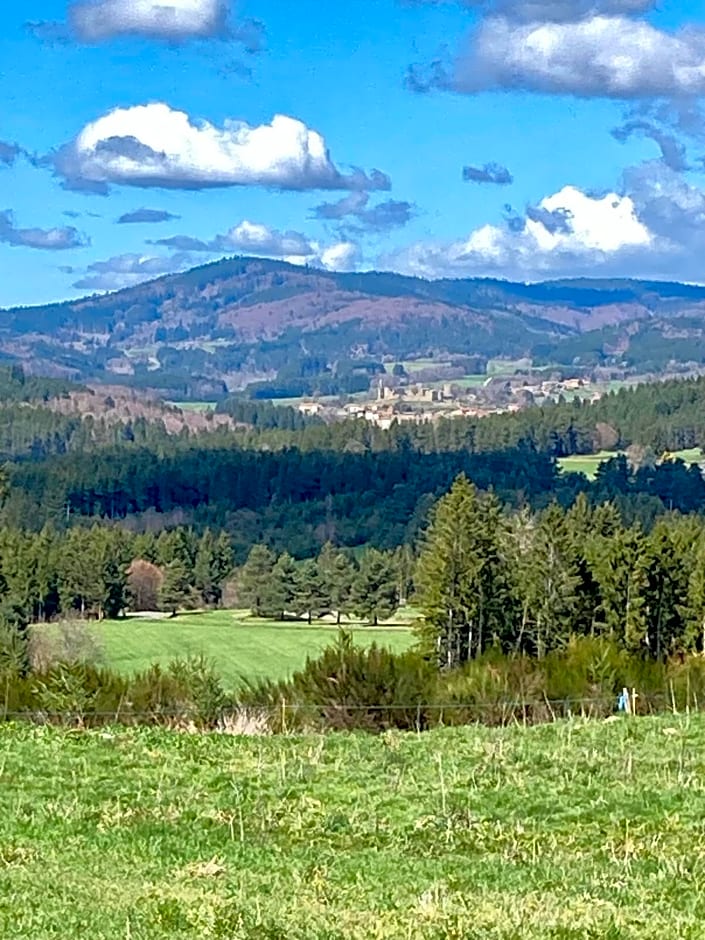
column 238, row 645
column 588, row 463
column 572, row 830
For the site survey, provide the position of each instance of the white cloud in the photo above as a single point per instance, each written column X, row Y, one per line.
column 542, row 10
column 249, row 238
column 154, row 145
column 130, row 269
column 569, row 232
column 174, row 20
column 608, row 56
column 259, row 239
column 345, row 256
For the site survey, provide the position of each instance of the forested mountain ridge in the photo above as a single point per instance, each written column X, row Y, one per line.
column 242, row 318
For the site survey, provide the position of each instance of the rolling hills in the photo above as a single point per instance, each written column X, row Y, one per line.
column 223, row 325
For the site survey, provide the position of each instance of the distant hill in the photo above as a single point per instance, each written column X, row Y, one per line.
column 226, row 324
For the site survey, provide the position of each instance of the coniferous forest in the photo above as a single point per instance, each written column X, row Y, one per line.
column 471, row 521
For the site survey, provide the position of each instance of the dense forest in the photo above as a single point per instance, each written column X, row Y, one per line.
column 295, row 483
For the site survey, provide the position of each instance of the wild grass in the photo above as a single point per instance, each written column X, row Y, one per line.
column 571, row 830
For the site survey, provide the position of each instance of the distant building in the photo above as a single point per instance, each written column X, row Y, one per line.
column 311, row 408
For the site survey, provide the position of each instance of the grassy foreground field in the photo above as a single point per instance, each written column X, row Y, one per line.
column 573, row 830
column 239, row 645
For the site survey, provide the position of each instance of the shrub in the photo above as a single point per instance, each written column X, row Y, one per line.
column 348, row 687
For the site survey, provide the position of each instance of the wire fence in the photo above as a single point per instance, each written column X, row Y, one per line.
column 421, row 715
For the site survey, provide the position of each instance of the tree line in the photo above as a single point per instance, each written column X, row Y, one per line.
column 103, row 571
column 527, row 582
column 370, row 587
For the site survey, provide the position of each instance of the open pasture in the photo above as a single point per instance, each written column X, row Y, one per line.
column 557, row 832
column 239, row 645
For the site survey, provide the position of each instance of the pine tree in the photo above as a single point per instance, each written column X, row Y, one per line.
column 667, row 577
column 620, row 565
column 212, row 566
column 693, row 607
column 255, row 578
column 337, row 575
column 460, row 581
column 280, row 592
column 310, row 596
column 175, row 588
column 374, row 590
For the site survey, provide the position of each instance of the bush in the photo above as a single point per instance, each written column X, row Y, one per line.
column 348, row 687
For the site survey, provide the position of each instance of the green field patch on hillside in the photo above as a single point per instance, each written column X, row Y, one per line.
column 239, row 646
column 588, row 463
column 193, row 405
column 572, row 830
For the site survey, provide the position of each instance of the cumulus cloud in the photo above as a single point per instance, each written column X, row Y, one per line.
column 146, row 215
column 248, row 238
column 169, row 21
column 383, row 217
column 568, row 233
column 130, row 269
column 49, row 239
column 673, row 209
column 8, row 153
column 253, row 238
column 153, row 145
column 489, row 173
column 345, row 256
column 607, row 56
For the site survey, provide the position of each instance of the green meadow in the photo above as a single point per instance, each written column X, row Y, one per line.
column 564, row 831
column 588, row 463
column 239, row 645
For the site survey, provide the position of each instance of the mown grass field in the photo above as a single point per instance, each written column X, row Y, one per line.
column 238, row 645
column 567, row 831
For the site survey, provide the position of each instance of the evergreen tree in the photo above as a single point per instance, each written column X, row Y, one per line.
column 255, row 579
column 693, row 606
column 280, row 593
column 667, row 578
column 337, row 574
column 175, row 588
column 460, row 583
column 310, row 596
column 212, row 566
column 374, row 590
column 620, row 565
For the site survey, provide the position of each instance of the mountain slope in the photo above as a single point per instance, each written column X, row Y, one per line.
column 244, row 318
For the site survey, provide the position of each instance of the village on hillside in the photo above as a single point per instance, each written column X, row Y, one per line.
column 418, row 397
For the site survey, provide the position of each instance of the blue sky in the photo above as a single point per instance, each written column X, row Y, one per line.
column 525, row 139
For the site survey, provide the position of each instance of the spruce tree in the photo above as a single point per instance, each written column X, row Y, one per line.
column 620, row 564
column 175, row 588
column 460, row 581
column 374, row 590
column 310, row 596
column 337, row 576
column 255, row 578
column 693, row 604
